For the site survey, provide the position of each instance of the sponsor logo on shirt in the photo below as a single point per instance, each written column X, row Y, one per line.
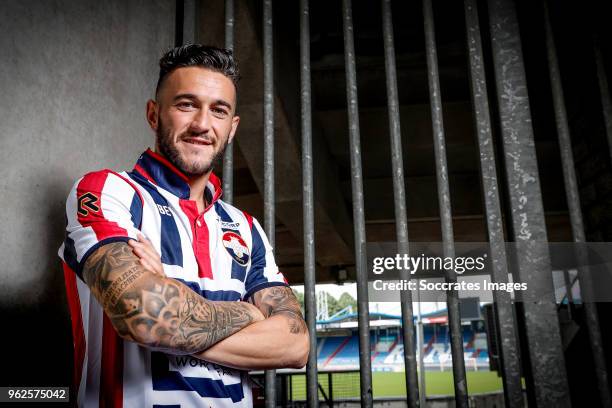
column 164, row 210
column 230, row 225
column 87, row 203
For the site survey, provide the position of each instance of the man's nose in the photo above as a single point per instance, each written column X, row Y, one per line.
column 201, row 121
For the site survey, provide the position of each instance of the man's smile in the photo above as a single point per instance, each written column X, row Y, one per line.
column 197, row 141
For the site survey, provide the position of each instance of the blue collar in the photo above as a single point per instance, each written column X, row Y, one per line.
column 160, row 172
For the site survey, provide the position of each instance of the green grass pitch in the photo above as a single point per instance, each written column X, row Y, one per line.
column 387, row 384
column 393, row 384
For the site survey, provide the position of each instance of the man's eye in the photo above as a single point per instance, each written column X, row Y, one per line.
column 219, row 111
column 185, row 105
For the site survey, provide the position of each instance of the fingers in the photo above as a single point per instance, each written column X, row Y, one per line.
column 145, row 247
column 150, row 266
column 145, row 241
column 150, row 263
column 149, row 258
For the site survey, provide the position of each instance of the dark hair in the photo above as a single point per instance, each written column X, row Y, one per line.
column 197, row 55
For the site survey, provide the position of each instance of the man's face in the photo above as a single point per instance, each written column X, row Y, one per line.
column 193, row 118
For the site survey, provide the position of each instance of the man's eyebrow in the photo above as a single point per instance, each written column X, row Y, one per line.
column 184, row 96
column 223, row 103
column 193, row 96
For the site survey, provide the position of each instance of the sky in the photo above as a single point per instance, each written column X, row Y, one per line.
column 382, row 307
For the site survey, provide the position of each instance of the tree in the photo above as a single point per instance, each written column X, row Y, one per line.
column 333, row 305
column 347, row 300
column 300, row 298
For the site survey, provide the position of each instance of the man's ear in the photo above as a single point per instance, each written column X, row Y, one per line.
column 152, row 114
column 235, row 122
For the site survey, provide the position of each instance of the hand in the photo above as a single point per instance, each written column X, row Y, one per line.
column 149, row 258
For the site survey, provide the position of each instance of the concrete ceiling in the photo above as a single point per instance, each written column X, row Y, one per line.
column 333, row 212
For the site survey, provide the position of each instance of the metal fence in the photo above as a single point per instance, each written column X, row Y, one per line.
column 545, row 362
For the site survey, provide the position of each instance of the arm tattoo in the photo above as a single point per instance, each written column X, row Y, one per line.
column 280, row 300
column 155, row 311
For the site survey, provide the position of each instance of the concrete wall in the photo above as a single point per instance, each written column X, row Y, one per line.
column 74, row 79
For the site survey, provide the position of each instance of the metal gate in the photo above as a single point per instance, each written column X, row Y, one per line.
column 494, row 25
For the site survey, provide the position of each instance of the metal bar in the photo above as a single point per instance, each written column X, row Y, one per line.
column 604, row 92
column 284, row 394
column 545, row 350
column 228, row 156
column 325, row 397
column 510, row 366
column 330, row 382
column 573, row 202
column 268, row 119
column 229, row 24
column 189, row 21
column 268, row 129
column 365, row 364
column 399, row 199
column 308, row 205
column 420, row 336
column 178, row 22
column 446, row 220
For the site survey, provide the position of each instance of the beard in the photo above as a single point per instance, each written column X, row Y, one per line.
column 191, row 168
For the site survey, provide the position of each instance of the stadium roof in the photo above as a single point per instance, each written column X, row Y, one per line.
column 439, row 316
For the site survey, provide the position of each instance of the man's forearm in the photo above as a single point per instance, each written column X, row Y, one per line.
column 156, row 311
column 267, row 344
column 281, row 340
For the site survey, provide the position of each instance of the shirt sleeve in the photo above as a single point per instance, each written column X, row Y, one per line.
column 102, row 207
column 263, row 272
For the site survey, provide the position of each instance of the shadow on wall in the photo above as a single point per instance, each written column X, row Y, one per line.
column 40, row 329
column 74, row 83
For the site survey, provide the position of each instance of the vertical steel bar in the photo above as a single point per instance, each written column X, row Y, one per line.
column 268, row 129
column 229, row 24
column 189, row 21
column 308, row 206
column 178, row 22
column 573, row 202
column 228, row 156
column 330, row 382
column 268, row 118
column 540, row 312
column 446, row 220
column 510, row 366
column 604, row 91
column 399, row 198
column 420, row 337
column 365, row 364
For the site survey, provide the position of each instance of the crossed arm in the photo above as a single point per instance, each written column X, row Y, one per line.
column 280, row 340
column 158, row 312
column 161, row 313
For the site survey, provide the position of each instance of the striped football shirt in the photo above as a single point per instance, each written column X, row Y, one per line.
column 222, row 254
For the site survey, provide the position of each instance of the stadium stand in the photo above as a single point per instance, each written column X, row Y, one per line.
column 341, row 352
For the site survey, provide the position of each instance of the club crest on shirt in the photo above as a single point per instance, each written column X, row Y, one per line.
column 236, row 247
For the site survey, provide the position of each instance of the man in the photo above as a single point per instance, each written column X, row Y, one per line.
column 160, row 271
